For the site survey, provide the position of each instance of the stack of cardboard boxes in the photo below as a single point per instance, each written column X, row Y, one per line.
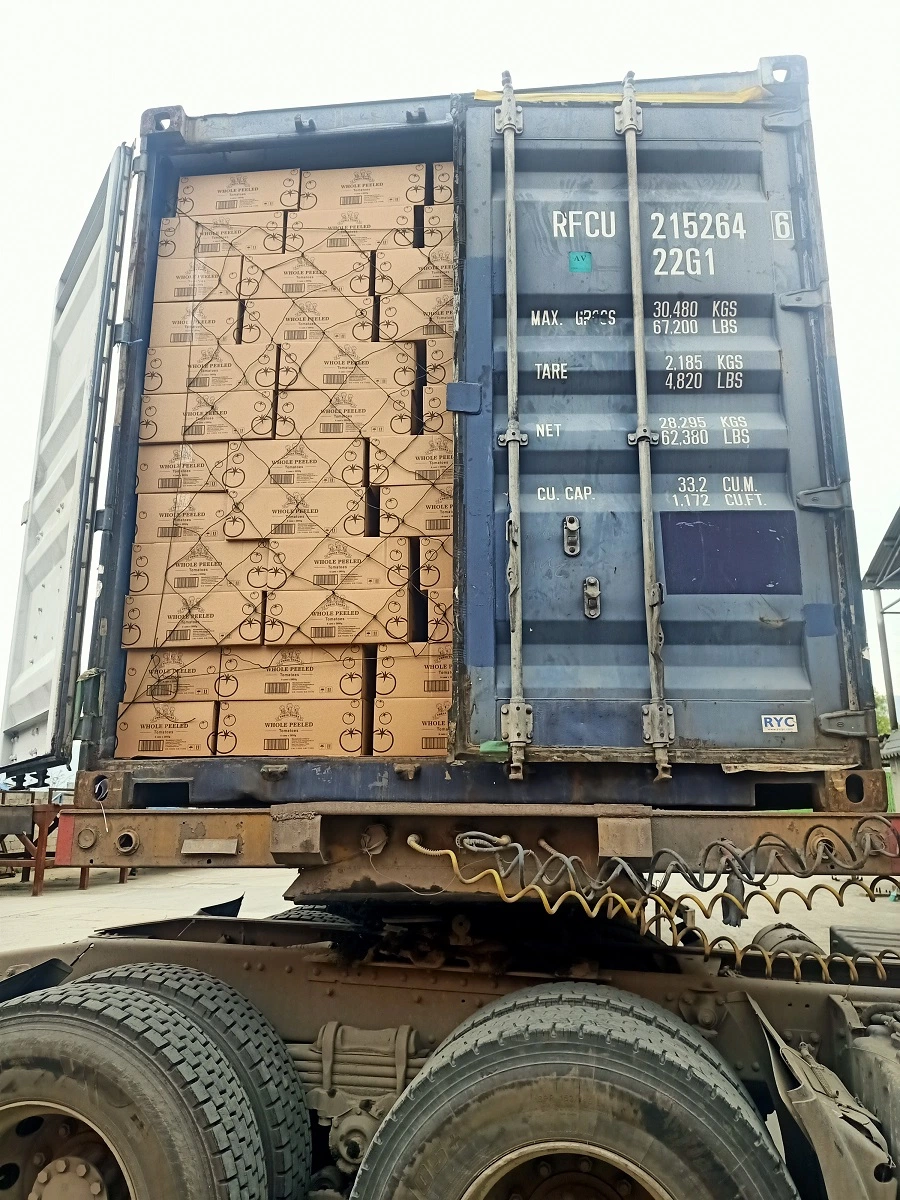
column 291, row 588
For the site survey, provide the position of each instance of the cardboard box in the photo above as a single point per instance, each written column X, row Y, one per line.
column 297, row 564
column 221, row 617
column 195, row 322
column 297, row 512
column 358, row 187
column 315, row 728
column 252, row 233
column 296, row 463
column 415, row 669
column 327, row 366
column 166, row 730
column 427, row 458
column 343, row 413
column 290, row 673
column 416, row 318
column 182, row 468
column 414, row 271
column 346, row 617
column 218, row 368
column 181, row 516
column 167, row 675
column 439, row 361
column 413, row 510
column 251, row 191
column 440, row 615
column 207, row 417
column 438, row 224
column 361, row 227
column 435, row 418
column 443, row 189
column 435, row 563
column 307, row 273
column 410, row 726
column 198, row 278
column 158, row 567
column 335, row 319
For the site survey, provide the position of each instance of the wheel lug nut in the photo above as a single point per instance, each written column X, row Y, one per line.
column 65, row 1131
column 61, row 1165
column 623, row 1187
column 81, row 1170
column 43, row 1176
column 585, row 1165
column 96, row 1189
column 39, row 1159
column 545, row 1170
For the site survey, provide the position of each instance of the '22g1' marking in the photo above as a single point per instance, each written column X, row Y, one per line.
column 692, row 226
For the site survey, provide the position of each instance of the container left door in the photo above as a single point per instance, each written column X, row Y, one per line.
column 47, row 633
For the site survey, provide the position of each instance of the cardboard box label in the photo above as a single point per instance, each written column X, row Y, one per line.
column 327, row 366
column 415, row 669
column 334, row 618
column 427, row 458
column 182, row 516
column 345, row 412
column 358, row 187
column 182, row 468
column 290, row 673
column 295, row 463
column 414, row 318
column 435, row 563
column 249, row 191
column 216, row 618
column 335, row 319
column 412, row 510
column 331, row 728
column 158, row 567
column 167, row 675
column 194, row 322
column 207, row 417
column 297, row 564
column 207, row 278
column 353, row 227
column 308, row 274
column 254, row 233
column 297, row 512
column 165, row 730
column 414, row 272
column 407, row 726
column 217, row 368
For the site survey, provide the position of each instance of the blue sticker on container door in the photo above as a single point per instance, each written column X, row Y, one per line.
column 580, row 261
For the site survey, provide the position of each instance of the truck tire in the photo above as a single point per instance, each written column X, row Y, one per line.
column 314, row 913
column 112, row 1079
column 600, row 997
column 257, row 1054
column 579, row 1096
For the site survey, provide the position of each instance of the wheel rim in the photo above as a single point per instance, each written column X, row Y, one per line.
column 565, row 1171
column 49, row 1152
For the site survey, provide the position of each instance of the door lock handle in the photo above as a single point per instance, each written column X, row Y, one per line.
column 591, row 591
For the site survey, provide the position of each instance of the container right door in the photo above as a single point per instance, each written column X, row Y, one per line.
column 750, row 508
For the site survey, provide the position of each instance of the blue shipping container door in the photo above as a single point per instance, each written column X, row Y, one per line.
column 756, row 562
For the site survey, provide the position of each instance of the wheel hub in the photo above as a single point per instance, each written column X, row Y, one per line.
column 68, row 1177
column 47, row 1155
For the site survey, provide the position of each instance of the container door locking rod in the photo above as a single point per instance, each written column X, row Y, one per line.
column 658, row 718
column 516, row 718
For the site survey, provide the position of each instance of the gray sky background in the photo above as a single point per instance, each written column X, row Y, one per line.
column 76, row 76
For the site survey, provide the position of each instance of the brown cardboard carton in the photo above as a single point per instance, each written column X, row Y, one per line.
column 297, row 564
column 354, row 227
column 337, row 414
column 207, row 417
column 307, row 273
column 440, row 615
column 414, row 271
column 290, row 673
column 314, row 728
column 329, row 365
column 358, row 187
column 415, row 318
column 439, row 360
column 336, row 319
column 423, row 669
column 182, row 468
column 166, row 730
column 435, row 563
column 167, row 675
column 413, row 510
column 246, row 233
column 195, row 322
column 296, row 463
column 181, row 516
column 218, row 368
column 438, row 224
column 410, row 726
column 250, row 191
column 199, row 278
column 427, row 458
column 337, row 617
column 443, row 183
column 297, row 512
column 435, row 418
column 158, row 567
column 221, row 617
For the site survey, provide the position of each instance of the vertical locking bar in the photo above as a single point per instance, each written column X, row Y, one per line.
column 517, row 717
column 658, row 723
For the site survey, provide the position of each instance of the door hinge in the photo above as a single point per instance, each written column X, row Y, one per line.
column 103, row 520
column 122, row 333
column 464, row 397
column 850, row 723
column 805, row 300
column 658, row 724
column 516, row 723
column 139, row 164
column 825, row 499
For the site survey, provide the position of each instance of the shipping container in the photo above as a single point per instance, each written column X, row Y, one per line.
column 681, row 566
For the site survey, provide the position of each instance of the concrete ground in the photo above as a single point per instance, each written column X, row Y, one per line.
column 64, row 913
